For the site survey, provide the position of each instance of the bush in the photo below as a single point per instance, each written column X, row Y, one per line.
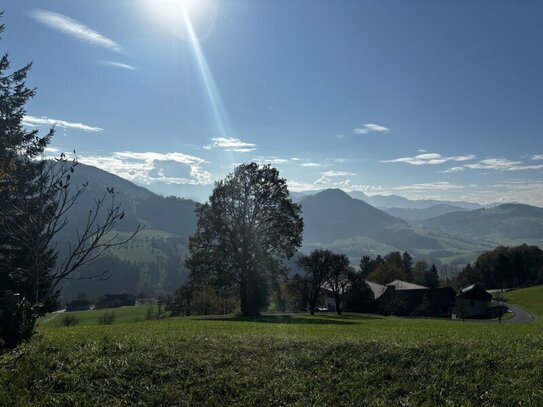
column 69, row 320
column 107, row 318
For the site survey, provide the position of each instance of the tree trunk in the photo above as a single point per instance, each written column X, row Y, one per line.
column 338, row 303
column 243, row 296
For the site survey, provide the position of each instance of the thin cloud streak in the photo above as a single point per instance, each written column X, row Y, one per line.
column 430, row 186
column 429, row 159
column 231, row 144
column 74, row 29
column 33, row 121
column 497, row 164
column 115, row 64
column 371, row 128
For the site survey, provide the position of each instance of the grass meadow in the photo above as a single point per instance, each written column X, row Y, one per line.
column 277, row 360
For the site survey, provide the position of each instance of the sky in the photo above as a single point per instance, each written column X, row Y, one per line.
column 423, row 99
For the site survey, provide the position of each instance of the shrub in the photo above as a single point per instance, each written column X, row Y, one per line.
column 69, row 320
column 107, row 318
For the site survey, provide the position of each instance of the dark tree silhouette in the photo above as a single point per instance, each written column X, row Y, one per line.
column 35, row 200
column 317, row 266
column 248, row 226
column 338, row 278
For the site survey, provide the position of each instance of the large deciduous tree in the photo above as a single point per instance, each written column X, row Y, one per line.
column 248, row 226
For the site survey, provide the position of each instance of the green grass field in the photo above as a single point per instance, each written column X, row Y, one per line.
column 289, row 360
column 530, row 298
column 92, row 317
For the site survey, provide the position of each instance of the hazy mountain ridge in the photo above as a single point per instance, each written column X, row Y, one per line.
column 416, row 214
column 503, row 222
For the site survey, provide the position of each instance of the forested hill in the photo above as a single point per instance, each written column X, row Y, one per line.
column 169, row 214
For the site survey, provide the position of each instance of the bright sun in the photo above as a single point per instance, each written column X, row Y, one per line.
column 170, row 15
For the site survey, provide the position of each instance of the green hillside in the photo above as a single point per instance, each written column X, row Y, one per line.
column 530, row 298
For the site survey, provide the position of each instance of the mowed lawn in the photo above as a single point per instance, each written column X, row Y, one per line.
column 278, row 360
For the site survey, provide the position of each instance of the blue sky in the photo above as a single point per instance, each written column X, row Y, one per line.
column 424, row 99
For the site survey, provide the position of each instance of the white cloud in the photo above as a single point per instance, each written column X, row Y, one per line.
column 497, row 164
column 74, row 29
column 431, row 186
column 115, row 64
column 311, row 165
column 537, row 157
column 326, row 176
column 150, row 167
column 429, row 159
column 371, row 128
column 339, row 136
column 46, row 121
column 231, row 144
column 270, row 160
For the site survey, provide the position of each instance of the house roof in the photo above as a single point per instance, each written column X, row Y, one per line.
column 404, row 285
column 475, row 292
column 378, row 289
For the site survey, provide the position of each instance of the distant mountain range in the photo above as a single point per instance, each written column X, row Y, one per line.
column 502, row 224
column 416, row 214
column 440, row 232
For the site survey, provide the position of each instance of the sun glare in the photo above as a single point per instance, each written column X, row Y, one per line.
column 170, row 15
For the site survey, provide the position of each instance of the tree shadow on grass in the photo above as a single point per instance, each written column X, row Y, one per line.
column 291, row 319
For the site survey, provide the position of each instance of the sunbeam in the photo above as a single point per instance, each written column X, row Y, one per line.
column 213, row 95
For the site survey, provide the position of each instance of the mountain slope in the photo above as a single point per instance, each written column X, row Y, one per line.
column 170, row 214
column 416, row 214
column 395, row 201
column 501, row 224
column 332, row 214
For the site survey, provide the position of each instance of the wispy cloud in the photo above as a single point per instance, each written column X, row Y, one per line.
column 270, row 160
column 497, row 164
column 33, row 121
column 371, row 128
column 537, row 157
column 339, row 136
column 115, row 64
column 311, row 165
column 74, row 29
column 429, row 159
column 151, row 167
column 430, row 186
column 231, row 144
column 326, row 176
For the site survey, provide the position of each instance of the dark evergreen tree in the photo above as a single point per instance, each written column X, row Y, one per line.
column 432, row 277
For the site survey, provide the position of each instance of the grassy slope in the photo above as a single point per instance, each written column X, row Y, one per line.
column 530, row 298
column 279, row 361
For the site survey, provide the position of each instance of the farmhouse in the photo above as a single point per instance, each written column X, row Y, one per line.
column 404, row 298
column 473, row 302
